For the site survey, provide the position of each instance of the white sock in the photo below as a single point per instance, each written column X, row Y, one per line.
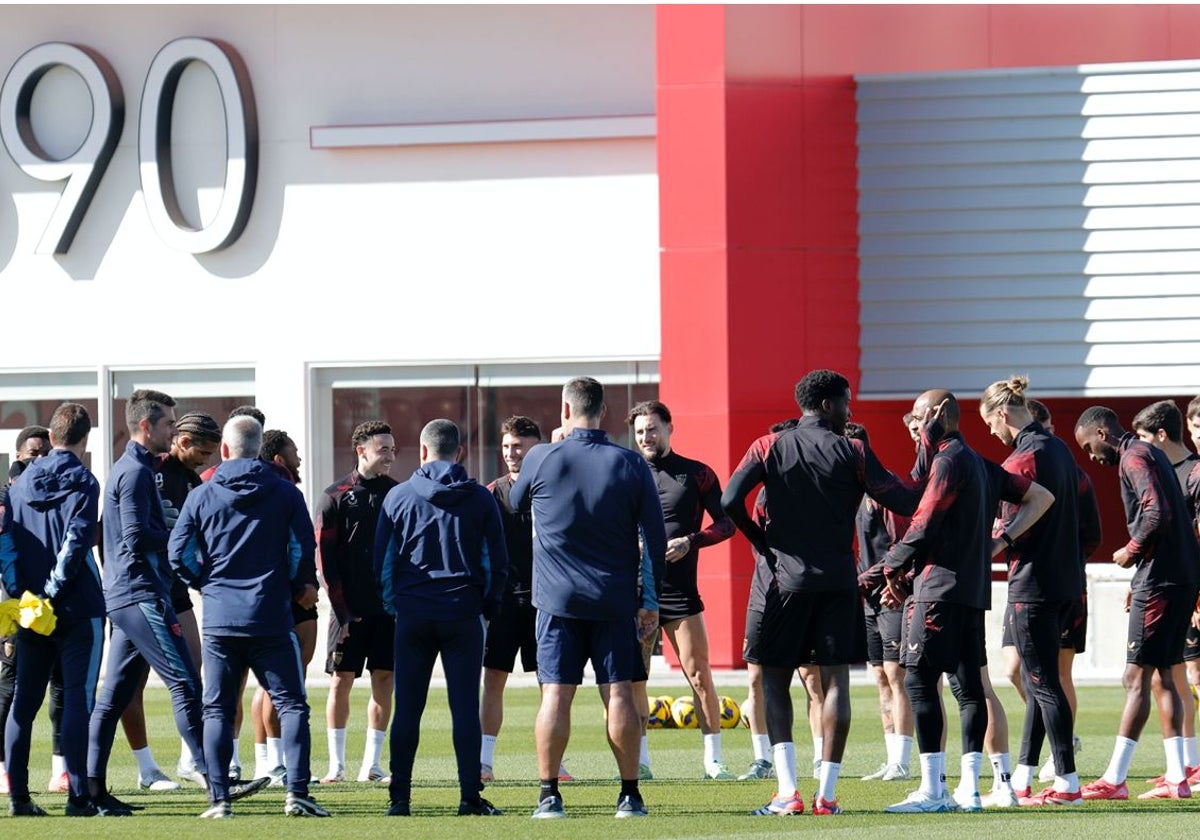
column 1191, row 755
column 889, row 748
column 487, row 750
column 933, row 774
column 1122, row 757
column 261, row 766
column 1174, row 750
column 58, row 766
column 185, row 756
column 905, row 749
column 828, row 781
column 785, row 768
column 145, row 761
column 762, row 747
column 644, row 750
column 1001, row 771
column 275, row 751
column 236, row 760
column 336, row 739
column 1022, row 777
column 818, row 749
column 374, row 748
column 971, row 764
column 712, row 749
column 1068, row 783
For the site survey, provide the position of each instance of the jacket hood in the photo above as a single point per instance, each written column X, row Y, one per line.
column 46, row 481
column 442, row 483
column 244, row 482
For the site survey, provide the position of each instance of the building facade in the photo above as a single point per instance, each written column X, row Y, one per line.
column 341, row 212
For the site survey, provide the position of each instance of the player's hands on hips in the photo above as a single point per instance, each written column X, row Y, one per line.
column 893, row 594
column 678, row 548
column 647, row 621
column 1123, row 558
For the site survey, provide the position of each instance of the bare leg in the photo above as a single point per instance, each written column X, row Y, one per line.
column 1012, row 669
column 690, row 640
column 491, row 705
column 552, row 729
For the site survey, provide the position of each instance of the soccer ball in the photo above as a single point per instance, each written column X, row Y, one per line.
column 665, row 702
column 660, row 714
column 731, row 713
column 746, row 715
column 684, row 713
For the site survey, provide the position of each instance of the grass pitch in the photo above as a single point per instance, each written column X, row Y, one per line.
column 681, row 804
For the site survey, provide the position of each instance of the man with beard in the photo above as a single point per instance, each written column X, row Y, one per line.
column 687, row 490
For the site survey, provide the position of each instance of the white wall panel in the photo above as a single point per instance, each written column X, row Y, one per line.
column 1041, row 220
column 435, row 252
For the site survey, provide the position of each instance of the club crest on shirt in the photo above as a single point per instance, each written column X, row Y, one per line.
column 177, row 630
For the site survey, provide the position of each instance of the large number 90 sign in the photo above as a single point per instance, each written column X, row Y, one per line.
column 83, row 169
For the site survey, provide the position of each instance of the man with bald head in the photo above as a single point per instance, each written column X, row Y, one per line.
column 814, row 480
column 1163, row 548
column 947, row 553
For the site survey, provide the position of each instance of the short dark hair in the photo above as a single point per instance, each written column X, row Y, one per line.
column 784, row 425
column 1098, row 415
column 249, row 411
column 145, row 404
column 1193, row 408
column 585, row 396
column 366, row 430
column 274, row 440
column 442, row 437
column 818, row 386
column 856, row 431
column 1038, row 409
column 16, row 468
column 31, row 432
column 1164, row 415
column 198, row 426
column 70, row 424
column 520, row 426
column 647, row 407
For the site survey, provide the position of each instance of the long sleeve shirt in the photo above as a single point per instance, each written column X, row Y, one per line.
column 589, row 499
column 815, row 480
column 1161, row 537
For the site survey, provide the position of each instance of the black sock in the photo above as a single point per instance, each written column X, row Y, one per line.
column 549, row 788
column 96, row 787
column 629, row 787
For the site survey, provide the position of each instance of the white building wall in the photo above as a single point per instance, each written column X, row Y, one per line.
column 523, row 251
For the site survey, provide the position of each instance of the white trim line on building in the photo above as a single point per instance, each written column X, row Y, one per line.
column 495, row 131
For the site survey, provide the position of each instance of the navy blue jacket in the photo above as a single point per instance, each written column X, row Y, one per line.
column 245, row 541
column 439, row 547
column 49, row 529
column 135, row 532
column 590, row 498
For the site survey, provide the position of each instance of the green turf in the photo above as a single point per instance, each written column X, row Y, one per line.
column 680, row 804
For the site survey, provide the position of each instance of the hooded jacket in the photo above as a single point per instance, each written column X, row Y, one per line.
column 49, row 529
column 135, row 532
column 245, row 541
column 439, row 547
